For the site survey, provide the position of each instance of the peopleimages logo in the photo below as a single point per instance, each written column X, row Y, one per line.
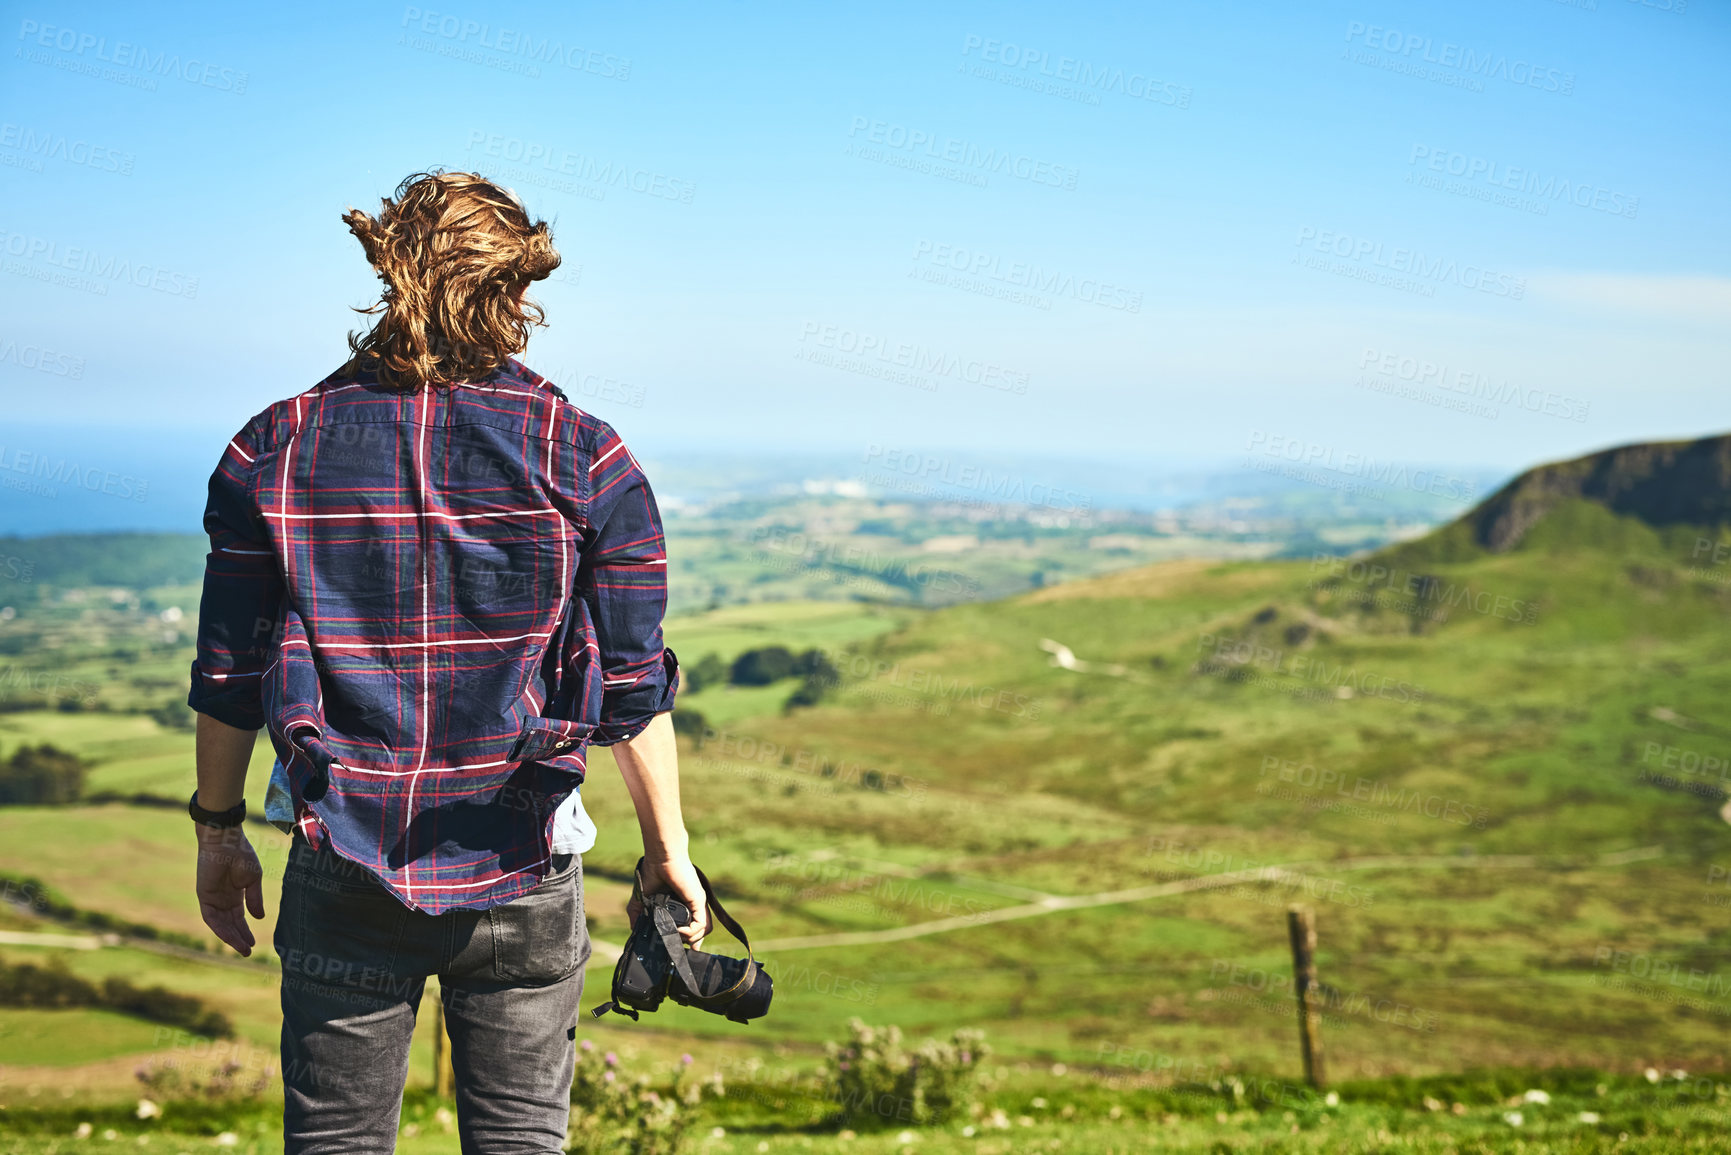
column 1315, row 455
column 1437, row 374
column 1515, row 178
column 64, row 472
column 463, row 32
column 133, row 56
column 919, row 146
column 89, row 263
column 58, row 146
column 1088, row 78
column 1022, row 275
column 40, row 358
column 1410, row 264
column 920, row 359
column 1413, row 50
column 1005, row 487
column 535, row 155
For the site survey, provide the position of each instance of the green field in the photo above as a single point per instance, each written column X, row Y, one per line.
column 1497, row 779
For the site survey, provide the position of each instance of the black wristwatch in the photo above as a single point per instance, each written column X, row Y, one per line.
column 222, row 819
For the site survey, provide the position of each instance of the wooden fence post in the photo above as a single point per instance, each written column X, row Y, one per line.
column 1301, row 925
column 444, row 1081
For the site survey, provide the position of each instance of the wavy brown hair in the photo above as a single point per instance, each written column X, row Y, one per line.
column 456, row 253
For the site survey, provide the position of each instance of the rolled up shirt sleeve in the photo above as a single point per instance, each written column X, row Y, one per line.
column 243, row 590
column 623, row 577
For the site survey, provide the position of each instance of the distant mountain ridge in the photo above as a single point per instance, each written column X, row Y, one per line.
column 1662, row 483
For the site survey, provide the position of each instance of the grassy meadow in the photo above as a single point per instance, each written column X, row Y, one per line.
column 1497, row 780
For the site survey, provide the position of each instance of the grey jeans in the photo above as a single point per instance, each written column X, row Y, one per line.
column 355, row 963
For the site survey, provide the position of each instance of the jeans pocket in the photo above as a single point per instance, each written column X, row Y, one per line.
column 540, row 938
column 338, row 936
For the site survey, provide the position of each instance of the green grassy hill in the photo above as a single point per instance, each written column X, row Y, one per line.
column 1075, row 818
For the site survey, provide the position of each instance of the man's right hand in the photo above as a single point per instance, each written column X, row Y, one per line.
column 679, row 878
column 230, row 883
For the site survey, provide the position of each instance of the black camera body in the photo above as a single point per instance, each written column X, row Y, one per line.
column 656, row 965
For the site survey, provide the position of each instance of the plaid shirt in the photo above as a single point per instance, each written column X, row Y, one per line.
column 434, row 602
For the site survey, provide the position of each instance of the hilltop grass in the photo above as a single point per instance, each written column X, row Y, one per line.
column 133, row 862
column 1493, row 1112
column 71, row 1037
column 130, row 753
column 1566, row 911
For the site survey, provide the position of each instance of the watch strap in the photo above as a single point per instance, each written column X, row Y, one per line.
column 224, row 819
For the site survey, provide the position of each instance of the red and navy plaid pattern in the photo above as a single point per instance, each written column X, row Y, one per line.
column 434, row 602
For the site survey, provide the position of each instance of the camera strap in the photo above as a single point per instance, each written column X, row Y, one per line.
column 749, row 976
column 676, row 949
column 671, row 943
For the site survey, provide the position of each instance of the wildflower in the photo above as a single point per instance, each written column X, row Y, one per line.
column 83, row 1132
column 147, row 1109
column 1513, row 1118
column 1587, row 1117
column 1539, row 1097
column 607, row 1075
column 587, row 1045
column 1332, row 1099
column 685, row 1059
column 612, row 1059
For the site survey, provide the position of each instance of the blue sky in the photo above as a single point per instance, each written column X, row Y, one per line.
column 1164, row 235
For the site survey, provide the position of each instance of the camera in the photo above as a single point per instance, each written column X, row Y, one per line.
column 656, row 965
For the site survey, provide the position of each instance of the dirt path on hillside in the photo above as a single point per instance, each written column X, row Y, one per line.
column 607, row 953
column 1290, row 872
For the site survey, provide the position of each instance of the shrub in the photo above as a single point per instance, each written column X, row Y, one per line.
column 23, row 890
column 690, row 723
column 42, row 775
column 816, row 664
column 161, row 1005
column 710, row 671
column 612, row 1111
column 820, row 677
column 174, row 714
column 177, row 1078
column 808, row 694
column 762, row 667
column 875, row 1083
column 51, row 987
column 54, row 987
